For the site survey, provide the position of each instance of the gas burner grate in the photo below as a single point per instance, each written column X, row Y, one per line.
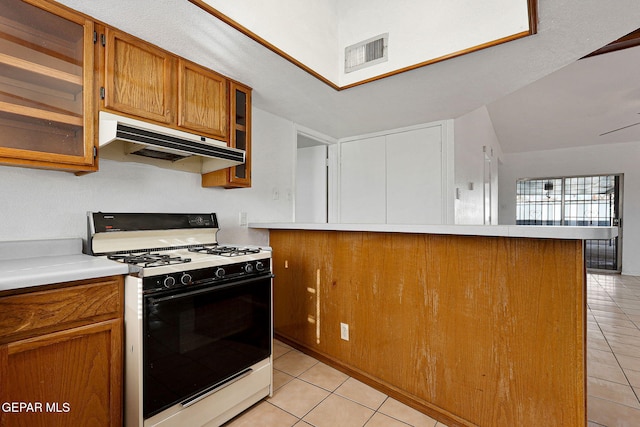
column 148, row 259
column 224, row 250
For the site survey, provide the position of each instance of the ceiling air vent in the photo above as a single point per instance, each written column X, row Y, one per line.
column 366, row 53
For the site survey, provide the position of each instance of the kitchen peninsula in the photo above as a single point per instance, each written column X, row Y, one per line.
column 473, row 325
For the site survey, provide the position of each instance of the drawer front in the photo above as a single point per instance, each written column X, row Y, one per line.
column 34, row 313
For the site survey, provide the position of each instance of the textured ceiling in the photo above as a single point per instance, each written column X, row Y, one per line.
column 592, row 101
column 568, row 30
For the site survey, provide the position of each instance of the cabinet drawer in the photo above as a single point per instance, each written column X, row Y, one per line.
column 25, row 315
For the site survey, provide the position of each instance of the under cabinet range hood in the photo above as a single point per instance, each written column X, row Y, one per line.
column 126, row 139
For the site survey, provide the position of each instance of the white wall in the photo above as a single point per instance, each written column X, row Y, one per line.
column 593, row 160
column 306, row 30
column 472, row 132
column 38, row 204
column 316, row 32
column 311, row 184
column 398, row 176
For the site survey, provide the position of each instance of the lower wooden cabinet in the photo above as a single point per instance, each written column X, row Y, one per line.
column 471, row 330
column 61, row 355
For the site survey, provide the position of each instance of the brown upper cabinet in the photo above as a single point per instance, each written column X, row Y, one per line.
column 138, row 78
column 202, row 100
column 46, row 86
column 240, row 137
column 144, row 81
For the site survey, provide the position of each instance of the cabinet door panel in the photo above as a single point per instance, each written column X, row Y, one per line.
column 239, row 137
column 414, row 177
column 202, row 100
column 46, row 82
column 138, row 78
column 362, row 181
column 73, row 374
column 28, row 314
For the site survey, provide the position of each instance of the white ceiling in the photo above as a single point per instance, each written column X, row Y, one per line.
column 578, row 105
column 567, row 30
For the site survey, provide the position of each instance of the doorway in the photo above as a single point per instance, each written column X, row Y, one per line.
column 311, row 190
column 593, row 201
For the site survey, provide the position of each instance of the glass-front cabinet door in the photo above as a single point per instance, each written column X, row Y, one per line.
column 241, row 135
column 46, row 80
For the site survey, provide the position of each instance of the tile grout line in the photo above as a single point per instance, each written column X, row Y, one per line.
column 375, row 411
column 609, row 344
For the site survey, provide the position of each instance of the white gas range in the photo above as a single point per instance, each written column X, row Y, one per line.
column 198, row 317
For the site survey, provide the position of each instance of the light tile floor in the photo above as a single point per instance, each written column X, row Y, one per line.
column 310, row 393
column 613, row 350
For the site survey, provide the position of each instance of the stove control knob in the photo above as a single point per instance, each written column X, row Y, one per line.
column 169, row 282
column 185, row 279
column 220, row 273
column 248, row 268
column 259, row 266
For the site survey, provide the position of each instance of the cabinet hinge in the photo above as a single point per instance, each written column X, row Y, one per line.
column 103, row 39
column 102, row 92
column 95, row 151
column 95, row 37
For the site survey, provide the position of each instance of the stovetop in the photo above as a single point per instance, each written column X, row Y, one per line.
column 156, row 244
column 154, row 263
column 147, row 259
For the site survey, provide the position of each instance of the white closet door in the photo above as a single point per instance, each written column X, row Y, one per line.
column 311, row 184
column 414, row 177
column 362, row 181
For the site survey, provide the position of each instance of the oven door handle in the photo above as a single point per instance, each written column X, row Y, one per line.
column 216, row 387
column 175, row 297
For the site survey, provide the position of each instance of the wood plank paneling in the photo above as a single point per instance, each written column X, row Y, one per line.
column 484, row 330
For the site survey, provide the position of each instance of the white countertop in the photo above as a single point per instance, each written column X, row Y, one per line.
column 528, row 231
column 42, row 262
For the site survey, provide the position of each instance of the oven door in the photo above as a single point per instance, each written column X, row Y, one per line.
column 197, row 340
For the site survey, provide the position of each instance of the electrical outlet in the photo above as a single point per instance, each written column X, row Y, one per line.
column 344, row 331
column 243, row 219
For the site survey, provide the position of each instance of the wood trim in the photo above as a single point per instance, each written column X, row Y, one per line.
column 533, row 16
column 222, row 17
column 533, row 28
column 440, row 59
column 629, row 40
column 89, row 94
column 47, row 164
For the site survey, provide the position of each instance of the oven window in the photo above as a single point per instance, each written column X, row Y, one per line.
column 195, row 339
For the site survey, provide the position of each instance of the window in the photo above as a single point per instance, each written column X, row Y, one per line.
column 574, row 201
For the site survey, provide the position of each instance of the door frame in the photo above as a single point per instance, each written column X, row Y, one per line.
column 332, row 168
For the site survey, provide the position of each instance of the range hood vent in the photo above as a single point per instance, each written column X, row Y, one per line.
column 125, row 139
